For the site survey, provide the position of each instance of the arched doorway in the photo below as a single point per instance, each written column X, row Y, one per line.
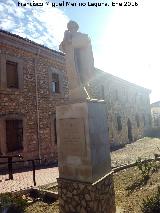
column 129, row 124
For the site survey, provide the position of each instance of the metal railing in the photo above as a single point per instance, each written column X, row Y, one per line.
column 10, row 163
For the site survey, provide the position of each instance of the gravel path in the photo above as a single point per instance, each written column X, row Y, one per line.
column 144, row 148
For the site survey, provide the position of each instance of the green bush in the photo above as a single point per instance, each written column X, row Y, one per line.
column 145, row 167
column 8, row 200
column 152, row 204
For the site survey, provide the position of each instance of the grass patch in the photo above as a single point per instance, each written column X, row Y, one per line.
column 131, row 190
column 14, row 204
column 152, row 203
column 39, row 207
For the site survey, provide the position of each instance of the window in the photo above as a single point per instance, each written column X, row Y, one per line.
column 55, row 83
column 14, row 135
column 137, row 120
column 119, row 123
column 12, row 74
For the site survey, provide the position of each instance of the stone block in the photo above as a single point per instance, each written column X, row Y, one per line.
column 83, row 141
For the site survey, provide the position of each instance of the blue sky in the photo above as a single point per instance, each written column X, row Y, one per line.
column 125, row 40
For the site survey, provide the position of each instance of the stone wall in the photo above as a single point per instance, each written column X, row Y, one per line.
column 122, row 99
column 155, row 111
column 35, row 107
column 79, row 197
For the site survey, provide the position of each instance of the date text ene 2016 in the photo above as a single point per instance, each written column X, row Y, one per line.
column 125, row 3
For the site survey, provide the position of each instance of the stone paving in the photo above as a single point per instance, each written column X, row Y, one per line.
column 144, row 148
column 24, row 180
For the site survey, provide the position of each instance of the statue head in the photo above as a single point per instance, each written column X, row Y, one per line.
column 72, row 26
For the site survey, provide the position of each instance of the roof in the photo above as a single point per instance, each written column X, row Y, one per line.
column 30, row 41
column 156, row 104
column 108, row 75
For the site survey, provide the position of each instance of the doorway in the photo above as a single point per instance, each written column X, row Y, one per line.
column 129, row 124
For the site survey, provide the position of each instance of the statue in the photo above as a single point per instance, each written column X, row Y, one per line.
column 79, row 60
column 68, row 34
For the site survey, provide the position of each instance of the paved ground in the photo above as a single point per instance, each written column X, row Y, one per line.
column 142, row 148
column 24, row 180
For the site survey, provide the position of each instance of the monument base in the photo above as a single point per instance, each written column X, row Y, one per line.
column 81, row 197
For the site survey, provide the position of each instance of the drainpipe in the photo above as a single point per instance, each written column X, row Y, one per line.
column 37, row 104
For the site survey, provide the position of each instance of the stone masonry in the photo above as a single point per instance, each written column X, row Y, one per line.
column 123, row 99
column 82, row 197
column 155, row 111
column 34, row 102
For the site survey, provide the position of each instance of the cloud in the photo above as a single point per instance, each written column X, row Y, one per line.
column 8, row 24
column 44, row 25
column 55, row 24
column 130, row 45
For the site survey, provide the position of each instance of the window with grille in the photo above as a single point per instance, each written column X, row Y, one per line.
column 55, row 83
column 12, row 74
column 14, row 135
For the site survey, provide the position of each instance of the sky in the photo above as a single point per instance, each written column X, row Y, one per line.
column 125, row 39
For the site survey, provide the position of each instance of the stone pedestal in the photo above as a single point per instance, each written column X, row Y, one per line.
column 85, row 183
column 83, row 145
column 81, row 197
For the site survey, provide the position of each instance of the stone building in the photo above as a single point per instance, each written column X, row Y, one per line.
column 127, row 105
column 33, row 80
column 155, row 112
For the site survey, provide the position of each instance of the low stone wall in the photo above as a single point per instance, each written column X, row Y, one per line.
column 153, row 132
column 79, row 197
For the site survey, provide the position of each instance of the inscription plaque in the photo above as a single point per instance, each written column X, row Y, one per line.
column 72, row 136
